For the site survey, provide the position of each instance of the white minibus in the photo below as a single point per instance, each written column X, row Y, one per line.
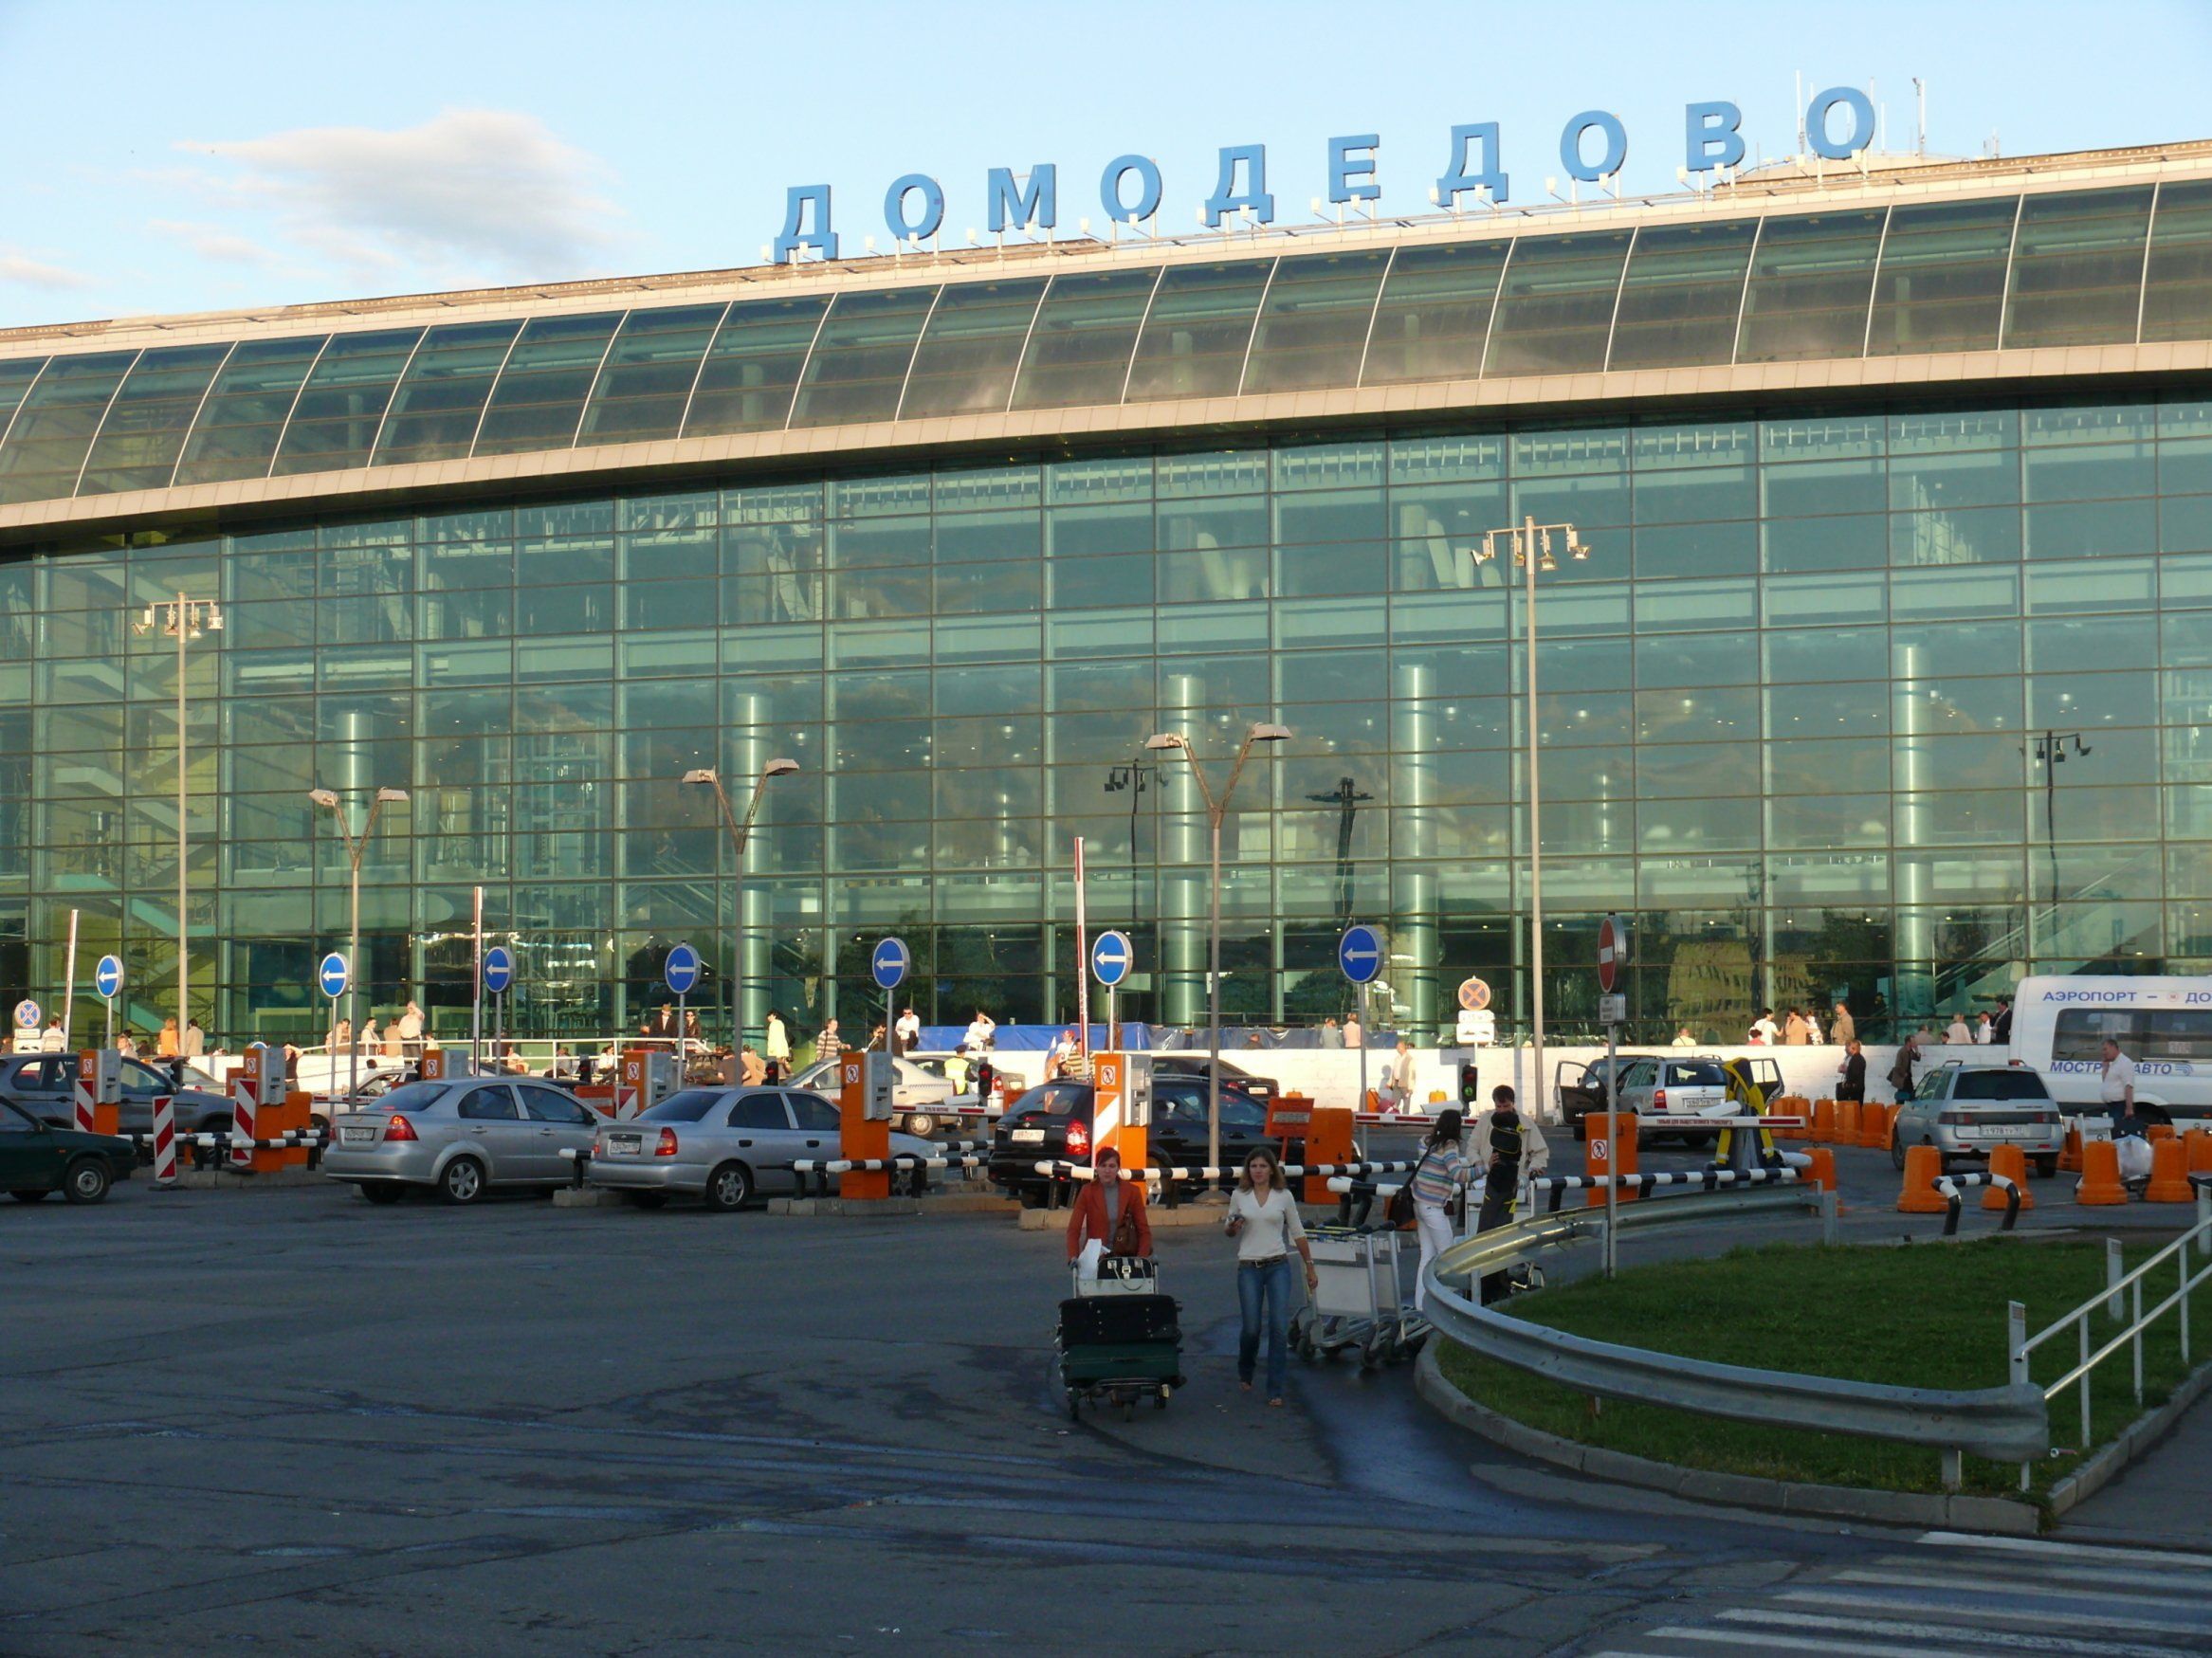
column 2165, row 1025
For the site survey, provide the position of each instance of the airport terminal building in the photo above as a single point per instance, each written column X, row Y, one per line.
column 1889, row 672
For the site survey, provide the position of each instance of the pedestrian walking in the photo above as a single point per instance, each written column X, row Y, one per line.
column 1851, row 1074
column 1397, row 1077
column 2118, row 1090
column 1265, row 1221
column 1507, row 1149
column 196, row 1040
column 1109, row 1211
column 1957, row 1033
column 2001, row 1027
column 1842, row 1029
column 1439, row 1187
column 53, row 1039
column 1982, row 1027
column 1901, row 1070
column 1355, row 1035
column 775, row 1046
column 828, row 1044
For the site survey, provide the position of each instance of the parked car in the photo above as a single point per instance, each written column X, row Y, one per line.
column 1580, row 1087
column 727, row 1145
column 46, row 1085
column 1051, row 1123
column 1201, row 1066
column 920, row 1094
column 462, row 1136
column 1964, row 1110
column 960, row 1070
column 37, row 1159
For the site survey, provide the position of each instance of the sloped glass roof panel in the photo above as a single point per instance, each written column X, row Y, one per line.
column 1434, row 317
column 1085, row 332
column 752, row 367
column 334, row 425
column 1941, row 287
column 859, row 364
column 1556, row 311
column 435, row 413
column 1313, row 328
column 15, row 378
column 45, row 447
column 540, row 393
column 1195, row 339
column 966, row 361
column 2177, row 289
column 1680, row 301
column 1811, row 280
column 145, row 429
column 650, row 370
column 2078, row 268
column 236, row 433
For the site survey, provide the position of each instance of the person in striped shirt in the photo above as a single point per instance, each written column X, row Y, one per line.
column 1437, row 1182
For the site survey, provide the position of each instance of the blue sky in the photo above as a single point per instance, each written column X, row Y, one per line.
column 176, row 158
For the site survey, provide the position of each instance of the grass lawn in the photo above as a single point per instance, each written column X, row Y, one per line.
column 1918, row 1316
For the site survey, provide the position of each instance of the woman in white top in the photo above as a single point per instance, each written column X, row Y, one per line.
column 1264, row 1220
column 1956, row 1034
column 775, row 1048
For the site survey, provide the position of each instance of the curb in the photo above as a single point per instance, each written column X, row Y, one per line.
column 1985, row 1514
column 2107, row 1464
column 231, row 1181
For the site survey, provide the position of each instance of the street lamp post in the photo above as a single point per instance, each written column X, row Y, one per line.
column 183, row 619
column 741, row 835
column 2049, row 749
column 1215, row 810
column 356, row 848
column 1135, row 776
column 1529, row 543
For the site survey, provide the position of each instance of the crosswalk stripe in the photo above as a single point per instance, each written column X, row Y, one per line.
column 2006, row 1640
column 2042, row 1577
column 1902, row 1603
column 2179, row 1559
column 1909, row 1575
column 1769, row 1642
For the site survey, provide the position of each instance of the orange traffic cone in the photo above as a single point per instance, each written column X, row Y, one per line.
column 1923, row 1167
column 2011, row 1162
column 2069, row 1153
column 2169, row 1173
column 2199, row 1143
column 1873, row 1126
column 1823, row 1120
column 2155, row 1132
column 2100, row 1175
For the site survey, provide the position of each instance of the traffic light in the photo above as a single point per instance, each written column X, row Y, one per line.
column 1469, row 1087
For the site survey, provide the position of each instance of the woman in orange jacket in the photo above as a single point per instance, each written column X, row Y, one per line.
column 1111, row 1210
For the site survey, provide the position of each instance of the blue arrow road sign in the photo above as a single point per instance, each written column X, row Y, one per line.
column 1111, row 956
column 26, row 1014
column 498, row 970
column 108, row 977
column 681, row 970
column 1360, row 953
column 890, row 963
column 331, row 976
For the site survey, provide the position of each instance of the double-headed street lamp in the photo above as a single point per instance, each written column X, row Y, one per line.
column 1529, row 543
column 357, row 845
column 740, row 834
column 183, row 619
column 1215, row 810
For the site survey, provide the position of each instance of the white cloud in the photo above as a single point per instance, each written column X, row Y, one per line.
column 24, row 271
column 469, row 194
column 215, row 244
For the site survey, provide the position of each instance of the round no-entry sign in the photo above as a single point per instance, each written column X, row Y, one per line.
column 1612, row 947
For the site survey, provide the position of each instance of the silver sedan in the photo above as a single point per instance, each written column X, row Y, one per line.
column 726, row 1145
column 922, row 1097
column 461, row 1137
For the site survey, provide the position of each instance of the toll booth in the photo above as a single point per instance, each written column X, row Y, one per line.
column 99, row 1091
column 261, row 1111
column 1121, row 1112
column 867, row 1103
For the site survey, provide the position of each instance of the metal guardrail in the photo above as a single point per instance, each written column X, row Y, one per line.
column 2005, row 1424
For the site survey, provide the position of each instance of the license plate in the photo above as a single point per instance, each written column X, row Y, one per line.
column 2010, row 1131
column 357, row 1136
column 623, row 1145
column 1029, row 1137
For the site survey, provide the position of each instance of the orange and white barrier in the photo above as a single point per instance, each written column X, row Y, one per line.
column 164, row 1141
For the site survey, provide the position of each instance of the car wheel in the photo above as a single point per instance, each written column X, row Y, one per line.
column 728, row 1187
column 1031, row 1196
column 381, row 1191
column 920, row 1123
column 2045, row 1166
column 463, row 1182
column 646, row 1199
column 30, row 1196
column 1897, row 1150
column 85, row 1181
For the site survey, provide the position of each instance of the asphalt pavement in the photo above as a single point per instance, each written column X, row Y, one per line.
column 290, row 1421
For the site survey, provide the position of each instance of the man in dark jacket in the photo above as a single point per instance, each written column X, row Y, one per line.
column 1901, row 1073
column 2001, row 1027
column 1853, row 1073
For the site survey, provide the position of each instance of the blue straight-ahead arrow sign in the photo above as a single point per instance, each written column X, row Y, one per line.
column 1360, row 953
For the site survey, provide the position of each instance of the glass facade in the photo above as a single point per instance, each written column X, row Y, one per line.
column 2077, row 267
column 1795, row 707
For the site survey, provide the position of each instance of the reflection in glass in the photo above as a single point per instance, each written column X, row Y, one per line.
column 1679, row 301
column 1811, row 278
column 1313, row 328
column 2078, row 268
column 1555, row 309
column 1435, row 316
column 859, row 364
column 236, row 433
column 648, row 374
column 435, row 413
column 144, row 432
column 1086, row 332
column 1942, row 282
column 334, row 424
column 540, row 393
column 1193, row 341
column 53, row 429
column 2177, row 291
column 966, row 361
column 753, row 366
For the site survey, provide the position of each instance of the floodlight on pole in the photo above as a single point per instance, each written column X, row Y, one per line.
column 741, row 837
column 357, row 848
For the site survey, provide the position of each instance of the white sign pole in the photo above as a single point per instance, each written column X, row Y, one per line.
column 69, row 982
column 476, row 993
column 1082, row 967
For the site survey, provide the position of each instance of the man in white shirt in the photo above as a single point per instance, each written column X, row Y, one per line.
column 2118, row 1092
column 1763, row 1029
column 1398, row 1078
column 1683, row 1038
column 909, row 1031
column 53, row 1041
column 1958, row 1033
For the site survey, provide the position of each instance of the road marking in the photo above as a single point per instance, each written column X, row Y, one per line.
column 1773, row 1643
column 2001, row 1638
column 2183, row 1560
column 1903, row 1603
column 2055, row 1581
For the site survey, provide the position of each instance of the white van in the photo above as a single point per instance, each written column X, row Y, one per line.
column 2163, row 1024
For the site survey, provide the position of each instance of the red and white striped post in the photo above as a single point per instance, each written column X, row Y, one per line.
column 87, row 1087
column 164, row 1141
column 245, row 1101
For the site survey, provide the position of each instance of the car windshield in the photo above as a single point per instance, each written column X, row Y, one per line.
column 2004, row 1085
column 1701, row 1073
column 1053, row 1099
column 686, row 1105
column 414, row 1097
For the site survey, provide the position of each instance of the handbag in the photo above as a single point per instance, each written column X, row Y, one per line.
column 1399, row 1210
column 1125, row 1230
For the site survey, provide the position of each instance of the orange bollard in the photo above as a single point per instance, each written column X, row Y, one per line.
column 1923, row 1165
column 1873, row 1126
column 2155, row 1132
column 1789, row 1106
column 2069, row 1153
column 1846, row 1122
column 1822, row 1171
column 2100, row 1175
column 2169, row 1173
column 1619, row 1140
column 2011, row 1162
column 1823, row 1120
column 2199, row 1143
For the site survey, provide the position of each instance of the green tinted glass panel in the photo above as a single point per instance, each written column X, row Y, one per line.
column 540, row 398
column 435, row 413
column 648, row 374
column 334, row 425
column 966, row 361
column 1942, row 282
column 753, row 366
column 1194, row 342
column 1434, row 315
column 2177, row 289
column 1313, row 327
column 15, row 380
column 45, row 447
column 1811, row 278
column 2078, row 268
column 859, row 365
column 1086, row 332
column 1684, row 289
column 145, row 428
column 1556, row 310
column 236, row 433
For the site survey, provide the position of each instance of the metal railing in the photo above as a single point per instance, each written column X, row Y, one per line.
column 2005, row 1424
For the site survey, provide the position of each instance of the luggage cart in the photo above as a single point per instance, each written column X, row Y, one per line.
column 1120, row 1339
column 1356, row 1302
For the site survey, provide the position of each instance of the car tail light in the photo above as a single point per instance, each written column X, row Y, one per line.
column 1952, row 1118
column 399, row 1128
column 667, row 1145
column 1078, row 1139
column 1658, row 1098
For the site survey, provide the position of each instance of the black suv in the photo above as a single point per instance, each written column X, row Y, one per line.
column 1232, row 1075
column 1051, row 1123
column 44, row 1085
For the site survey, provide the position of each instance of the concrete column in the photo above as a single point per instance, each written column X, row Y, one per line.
column 1913, row 994
column 749, row 971
column 1183, row 894
column 1415, row 967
